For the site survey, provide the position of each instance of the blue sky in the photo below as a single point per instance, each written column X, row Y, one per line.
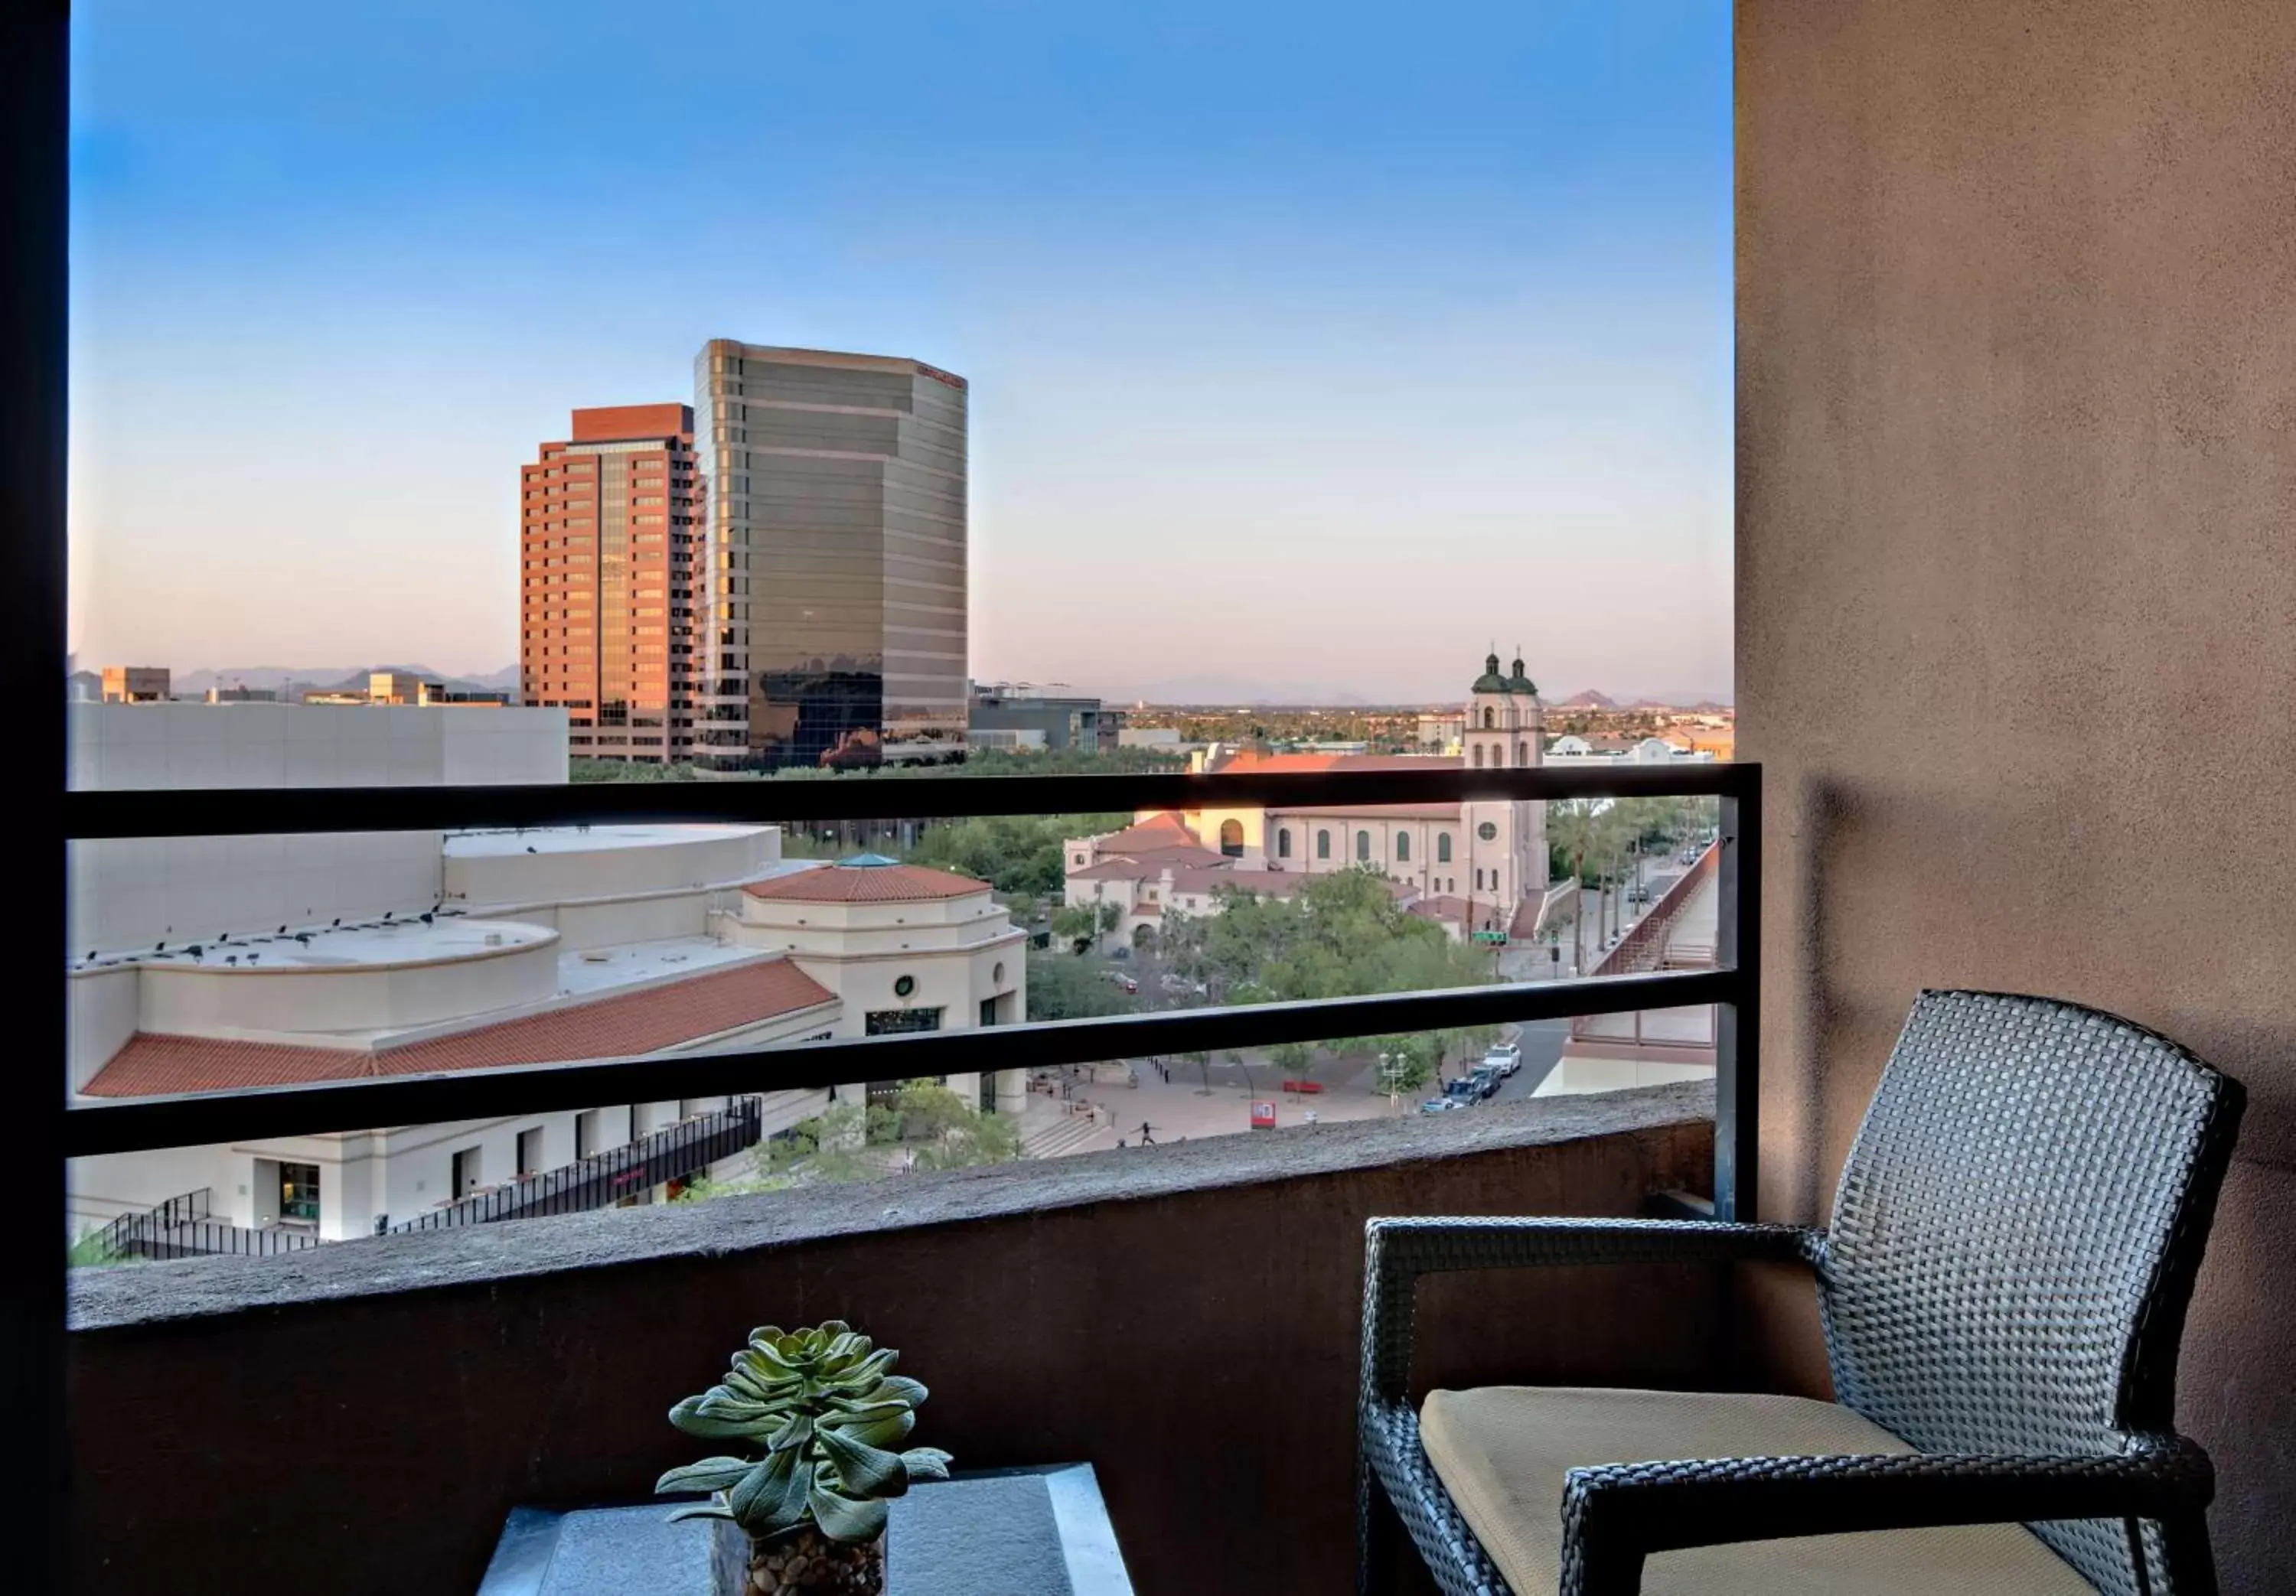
column 1311, row 345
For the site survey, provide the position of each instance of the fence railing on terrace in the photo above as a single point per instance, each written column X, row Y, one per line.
column 673, row 1153
column 199, row 1119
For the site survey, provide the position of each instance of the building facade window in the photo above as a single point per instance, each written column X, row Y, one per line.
column 299, row 1193
column 1323, row 845
column 1363, row 847
column 1522, row 753
column 1490, row 717
column 1403, row 846
column 1443, row 847
column 1479, row 756
column 1283, row 843
column 1232, row 838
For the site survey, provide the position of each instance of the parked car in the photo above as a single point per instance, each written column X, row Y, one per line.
column 1486, row 1076
column 1441, row 1105
column 1463, row 1091
column 1506, row 1058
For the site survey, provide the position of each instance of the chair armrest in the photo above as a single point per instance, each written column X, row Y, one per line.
column 1616, row 1514
column 1398, row 1251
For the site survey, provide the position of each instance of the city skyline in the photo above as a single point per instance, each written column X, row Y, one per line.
column 1305, row 361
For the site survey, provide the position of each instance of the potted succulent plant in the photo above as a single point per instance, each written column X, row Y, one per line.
column 827, row 1412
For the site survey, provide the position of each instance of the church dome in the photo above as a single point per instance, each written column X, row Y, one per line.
column 1491, row 681
column 1518, row 683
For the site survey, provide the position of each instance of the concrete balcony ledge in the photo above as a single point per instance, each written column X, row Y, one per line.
column 105, row 1299
column 1185, row 1318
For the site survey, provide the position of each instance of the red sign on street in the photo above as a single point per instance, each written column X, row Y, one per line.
column 1263, row 1116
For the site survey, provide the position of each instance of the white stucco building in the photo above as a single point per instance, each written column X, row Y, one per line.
column 218, row 964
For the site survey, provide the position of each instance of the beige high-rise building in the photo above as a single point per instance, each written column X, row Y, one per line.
column 835, row 581
column 610, row 526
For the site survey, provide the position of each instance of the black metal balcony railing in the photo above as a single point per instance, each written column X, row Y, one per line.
column 673, row 1153
column 193, row 1120
column 187, row 1227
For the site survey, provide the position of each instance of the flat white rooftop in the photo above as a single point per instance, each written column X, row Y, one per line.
column 352, row 944
column 600, row 969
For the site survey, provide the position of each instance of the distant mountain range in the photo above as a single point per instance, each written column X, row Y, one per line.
column 328, row 678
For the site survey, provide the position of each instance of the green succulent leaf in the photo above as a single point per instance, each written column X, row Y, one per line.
column 842, row 1519
column 712, row 1508
column 710, row 1473
column 879, row 1432
column 688, row 1416
column 926, row 1462
column 796, row 1430
column 790, row 1511
column 760, row 1490
column 840, row 1414
column 865, row 1470
column 899, row 1387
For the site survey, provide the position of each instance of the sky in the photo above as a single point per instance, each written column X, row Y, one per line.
column 1315, row 347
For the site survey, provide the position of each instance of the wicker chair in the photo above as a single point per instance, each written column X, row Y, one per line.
column 2003, row 1290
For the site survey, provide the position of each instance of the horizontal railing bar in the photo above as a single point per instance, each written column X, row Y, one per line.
column 241, row 811
column 196, row 1119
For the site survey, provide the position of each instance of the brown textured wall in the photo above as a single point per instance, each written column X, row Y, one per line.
column 1199, row 1347
column 2017, row 582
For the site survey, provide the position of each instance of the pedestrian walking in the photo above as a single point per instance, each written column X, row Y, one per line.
column 1146, row 1138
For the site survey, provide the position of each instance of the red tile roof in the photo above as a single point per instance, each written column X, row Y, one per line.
column 606, row 1028
column 1120, row 870
column 1157, row 833
column 865, row 883
column 1254, row 759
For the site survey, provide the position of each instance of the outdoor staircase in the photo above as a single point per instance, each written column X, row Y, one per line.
column 1058, row 1137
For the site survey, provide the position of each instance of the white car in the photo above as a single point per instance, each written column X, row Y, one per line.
column 1506, row 1057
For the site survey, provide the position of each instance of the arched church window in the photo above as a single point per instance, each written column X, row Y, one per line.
column 1232, row 838
column 1498, row 755
column 1363, row 847
column 1479, row 756
column 1443, row 847
column 1283, row 843
column 1522, row 753
column 1490, row 717
column 1403, row 846
column 1323, row 845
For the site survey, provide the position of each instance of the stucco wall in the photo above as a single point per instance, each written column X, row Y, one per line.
column 2016, row 583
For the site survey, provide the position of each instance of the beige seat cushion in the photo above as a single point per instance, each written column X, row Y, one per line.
column 1502, row 1450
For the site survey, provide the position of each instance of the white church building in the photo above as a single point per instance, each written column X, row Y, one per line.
column 1477, row 866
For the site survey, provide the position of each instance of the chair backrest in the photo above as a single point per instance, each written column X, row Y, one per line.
column 2015, row 1235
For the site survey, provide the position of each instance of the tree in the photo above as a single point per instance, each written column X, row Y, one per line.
column 1014, row 853
column 1079, row 925
column 941, row 1130
column 1060, row 987
column 1338, row 935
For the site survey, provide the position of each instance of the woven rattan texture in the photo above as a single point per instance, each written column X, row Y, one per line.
column 2003, row 1227
column 2015, row 1239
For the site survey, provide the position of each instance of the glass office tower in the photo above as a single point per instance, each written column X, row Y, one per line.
column 835, row 558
